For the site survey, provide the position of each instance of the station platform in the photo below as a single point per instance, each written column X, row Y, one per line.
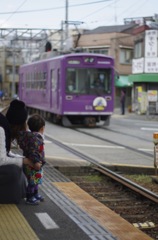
column 67, row 213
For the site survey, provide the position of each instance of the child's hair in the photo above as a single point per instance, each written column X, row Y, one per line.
column 35, row 122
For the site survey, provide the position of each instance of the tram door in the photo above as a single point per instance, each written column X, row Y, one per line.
column 55, row 90
column 52, row 88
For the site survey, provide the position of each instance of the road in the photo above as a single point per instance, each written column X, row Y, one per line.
column 125, row 141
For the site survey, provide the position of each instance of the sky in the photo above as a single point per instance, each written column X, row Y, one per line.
column 87, row 14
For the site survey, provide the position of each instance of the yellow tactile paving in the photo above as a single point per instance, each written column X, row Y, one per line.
column 13, row 225
column 106, row 217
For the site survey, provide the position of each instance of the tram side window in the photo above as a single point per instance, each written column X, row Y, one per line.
column 53, row 82
column 71, row 81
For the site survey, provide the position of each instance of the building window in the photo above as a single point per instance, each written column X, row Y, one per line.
column 104, row 51
column 100, row 51
column 138, row 49
column 9, row 70
column 126, row 56
column 9, row 53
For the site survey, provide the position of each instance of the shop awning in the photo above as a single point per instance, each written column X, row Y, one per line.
column 123, row 81
column 144, row 77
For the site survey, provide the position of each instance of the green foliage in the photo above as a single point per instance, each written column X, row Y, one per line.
column 139, row 178
column 93, row 178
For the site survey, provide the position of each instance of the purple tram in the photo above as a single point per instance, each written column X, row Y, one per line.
column 71, row 89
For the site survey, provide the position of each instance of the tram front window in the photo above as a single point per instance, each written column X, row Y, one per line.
column 88, row 81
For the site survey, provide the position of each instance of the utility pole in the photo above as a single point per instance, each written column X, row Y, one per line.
column 64, row 27
column 66, row 20
column 62, row 37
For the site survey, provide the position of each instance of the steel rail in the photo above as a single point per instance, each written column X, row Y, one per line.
column 128, row 183
column 124, row 181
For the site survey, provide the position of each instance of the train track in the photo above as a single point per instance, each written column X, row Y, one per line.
column 132, row 202
column 116, row 143
column 113, row 175
column 129, row 184
column 125, row 134
column 126, row 182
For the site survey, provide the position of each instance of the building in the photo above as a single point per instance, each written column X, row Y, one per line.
column 116, row 41
column 18, row 46
column 123, row 42
column 10, row 60
column 145, row 68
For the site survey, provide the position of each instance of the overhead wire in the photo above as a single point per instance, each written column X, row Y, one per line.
column 100, row 9
column 138, row 7
column 50, row 9
column 73, row 5
column 127, row 10
column 14, row 12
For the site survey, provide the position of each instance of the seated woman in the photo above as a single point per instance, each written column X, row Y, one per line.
column 12, row 178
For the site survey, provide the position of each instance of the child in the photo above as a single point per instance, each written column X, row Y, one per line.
column 32, row 144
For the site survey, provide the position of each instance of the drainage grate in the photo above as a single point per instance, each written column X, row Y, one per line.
column 82, row 219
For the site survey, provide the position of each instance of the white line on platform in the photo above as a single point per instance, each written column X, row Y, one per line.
column 149, row 129
column 90, row 145
column 145, row 149
column 46, row 220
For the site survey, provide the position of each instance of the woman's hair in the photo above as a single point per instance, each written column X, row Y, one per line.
column 17, row 112
column 15, row 129
column 17, row 116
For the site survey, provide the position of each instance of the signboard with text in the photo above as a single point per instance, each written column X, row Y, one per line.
column 138, row 65
column 151, row 65
column 151, row 43
column 152, row 95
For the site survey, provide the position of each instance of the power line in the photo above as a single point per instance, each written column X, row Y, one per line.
column 128, row 10
column 14, row 12
column 50, row 9
column 98, row 10
column 140, row 6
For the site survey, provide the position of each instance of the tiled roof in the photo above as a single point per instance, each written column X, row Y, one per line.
column 111, row 29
